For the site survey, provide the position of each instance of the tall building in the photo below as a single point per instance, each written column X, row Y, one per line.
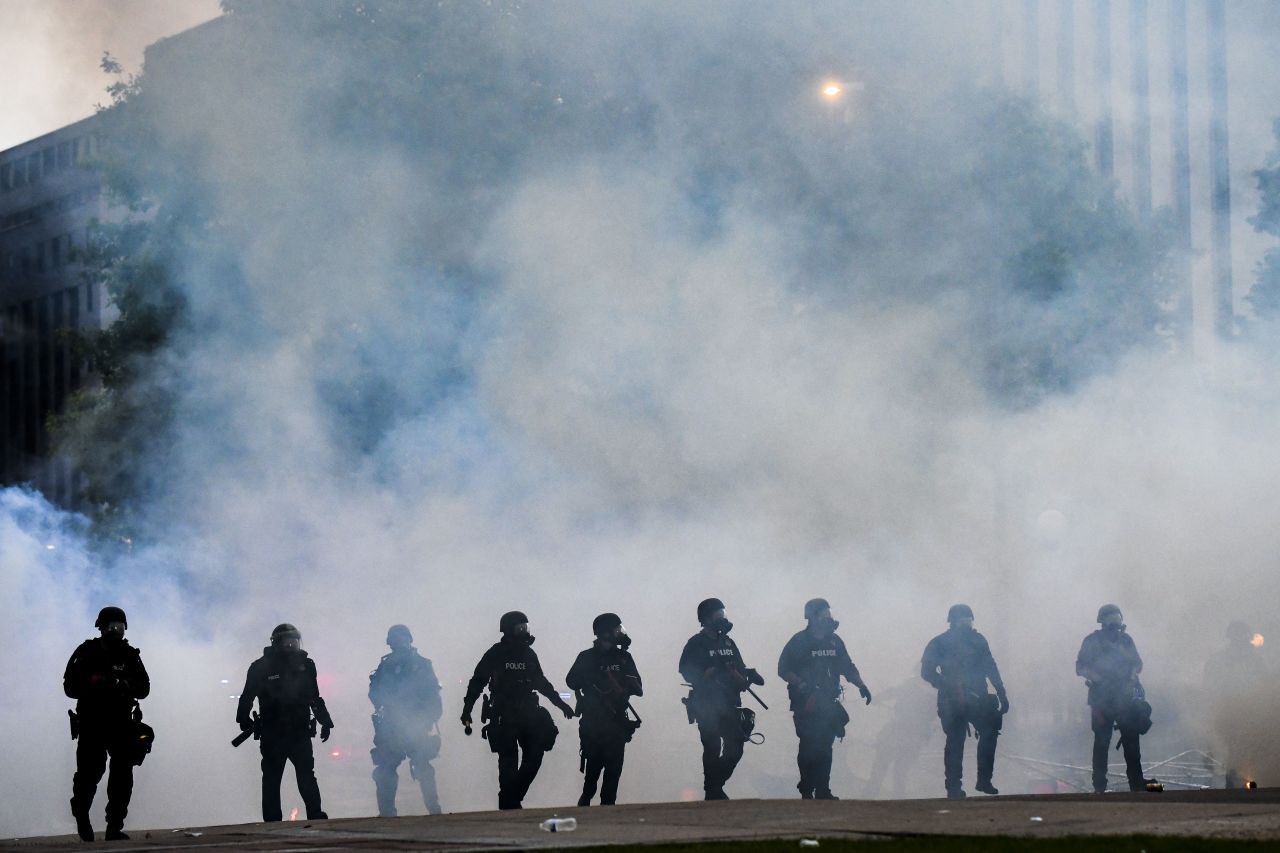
column 49, row 198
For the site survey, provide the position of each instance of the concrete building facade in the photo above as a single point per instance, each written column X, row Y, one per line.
column 50, row 196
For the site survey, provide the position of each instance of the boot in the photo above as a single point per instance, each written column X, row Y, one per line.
column 824, row 794
column 83, row 828
column 115, row 832
column 955, row 795
column 986, row 787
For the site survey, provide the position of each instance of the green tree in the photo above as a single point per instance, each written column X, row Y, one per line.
column 1264, row 297
column 967, row 199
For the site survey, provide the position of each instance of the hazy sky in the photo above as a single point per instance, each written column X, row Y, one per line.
column 52, row 50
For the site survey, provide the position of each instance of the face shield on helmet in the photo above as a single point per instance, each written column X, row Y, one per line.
column 286, row 638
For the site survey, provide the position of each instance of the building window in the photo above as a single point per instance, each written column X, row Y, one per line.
column 49, row 158
column 64, row 155
column 6, row 175
column 33, row 168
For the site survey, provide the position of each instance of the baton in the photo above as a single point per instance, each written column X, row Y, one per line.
column 242, row 737
column 757, row 698
column 633, row 710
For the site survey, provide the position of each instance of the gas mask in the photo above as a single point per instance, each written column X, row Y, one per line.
column 521, row 637
column 621, row 639
column 720, row 625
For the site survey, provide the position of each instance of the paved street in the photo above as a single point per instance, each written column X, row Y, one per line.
column 1220, row 814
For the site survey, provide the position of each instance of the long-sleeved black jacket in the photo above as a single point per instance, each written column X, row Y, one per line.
column 511, row 671
column 284, row 683
column 604, row 679
column 713, row 666
column 1110, row 662
column 959, row 663
column 818, row 663
column 405, row 687
column 105, row 677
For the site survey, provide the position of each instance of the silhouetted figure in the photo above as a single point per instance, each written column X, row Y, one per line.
column 812, row 663
column 1109, row 663
column 715, row 671
column 283, row 681
column 406, row 702
column 518, row 729
column 959, row 664
column 106, row 677
column 900, row 740
column 604, row 677
column 1240, row 690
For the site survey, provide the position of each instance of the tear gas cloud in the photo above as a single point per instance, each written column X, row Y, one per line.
column 630, row 318
column 53, row 49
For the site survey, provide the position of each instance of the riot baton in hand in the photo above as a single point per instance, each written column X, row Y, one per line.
column 633, row 711
column 253, row 732
column 757, row 698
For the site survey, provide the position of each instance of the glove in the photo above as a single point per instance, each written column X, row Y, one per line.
column 1003, row 703
column 324, row 733
column 864, row 693
column 755, row 678
column 567, row 711
column 246, row 725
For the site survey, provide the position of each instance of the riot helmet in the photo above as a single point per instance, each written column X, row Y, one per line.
column 515, row 625
column 399, row 637
column 286, row 637
column 111, row 622
column 1109, row 616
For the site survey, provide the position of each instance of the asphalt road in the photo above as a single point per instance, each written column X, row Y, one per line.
column 1221, row 814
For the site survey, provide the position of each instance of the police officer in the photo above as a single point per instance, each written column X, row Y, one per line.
column 715, row 671
column 958, row 663
column 812, row 663
column 604, row 677
column 406, row 701
column 106, row 677
column 519, row 730
column 1109, row 663
column 283, row 681
column 1236, row 682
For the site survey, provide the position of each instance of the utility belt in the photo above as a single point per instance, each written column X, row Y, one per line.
column 503, row 719
column 136, row 736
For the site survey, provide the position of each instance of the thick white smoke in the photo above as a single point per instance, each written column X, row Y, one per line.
column 642, row 395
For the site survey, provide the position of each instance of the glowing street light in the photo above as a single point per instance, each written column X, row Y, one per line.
column 832, row 90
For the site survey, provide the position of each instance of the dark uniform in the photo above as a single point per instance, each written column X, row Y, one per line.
column 519, row 730
column 604, row 677
column 406, row 699
column 713, row 667
column 1109, row 663
column 283, row 681
column 106, row 678
column 812, row 664
column 1238, row 687
column 959, row 664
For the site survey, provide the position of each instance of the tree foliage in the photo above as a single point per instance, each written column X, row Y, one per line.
column 1264, row 297
column 903, row 200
